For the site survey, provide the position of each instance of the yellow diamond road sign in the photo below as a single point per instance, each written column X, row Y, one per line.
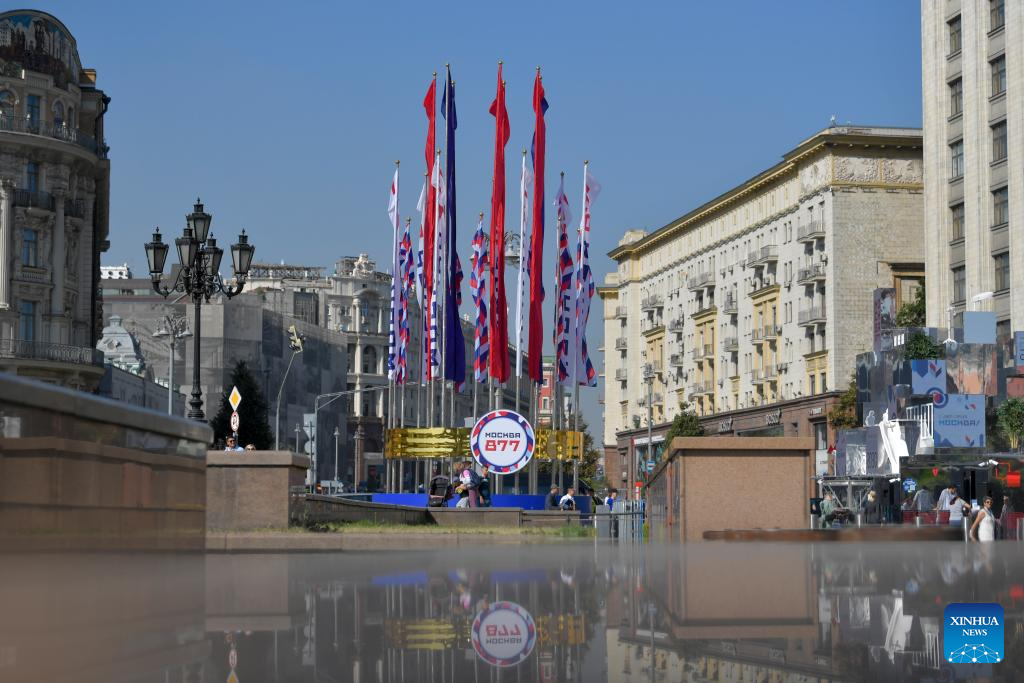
column 235, row 398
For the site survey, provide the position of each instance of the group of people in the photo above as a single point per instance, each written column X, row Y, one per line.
column 474, row 488
column 555, row 501
column 232, row 445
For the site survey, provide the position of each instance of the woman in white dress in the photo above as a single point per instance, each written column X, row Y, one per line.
column 984, row 527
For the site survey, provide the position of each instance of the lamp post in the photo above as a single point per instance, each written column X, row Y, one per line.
column 649, row 381
column 174, row 329
column 199, row 276
column 337, row 434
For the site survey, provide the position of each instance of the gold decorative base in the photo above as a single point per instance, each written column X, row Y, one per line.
column 444, row 442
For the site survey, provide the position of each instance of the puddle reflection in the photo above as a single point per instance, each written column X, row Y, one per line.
column 707, row 612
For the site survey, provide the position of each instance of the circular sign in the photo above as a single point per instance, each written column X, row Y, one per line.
column 234, row 421
column 503, row 441
column 504, row 634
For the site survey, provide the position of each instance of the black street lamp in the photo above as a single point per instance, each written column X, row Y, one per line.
column 199, row 276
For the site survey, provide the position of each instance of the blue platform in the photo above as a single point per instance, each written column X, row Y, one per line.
column 524, row 501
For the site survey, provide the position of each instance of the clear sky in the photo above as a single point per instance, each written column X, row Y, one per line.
column 287, row 118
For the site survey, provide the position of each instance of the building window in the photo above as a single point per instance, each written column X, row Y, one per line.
column 27, row 321
column 996, row 14
column 999, row 141
column 998, row 76
column 58, row 114
column 820, row 430
column 32, row 177
column 956, row 155
column 1000, row 206
column 1001, row 262
column 956, row 97
column 959, row 284
column 7, row 102
column 30, row 248
column 814, row 384
column 824, row 384
column 32, row 111
column 956, row 217
column 954, row 36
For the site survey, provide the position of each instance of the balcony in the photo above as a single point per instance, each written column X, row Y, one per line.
column 731, row 344
column 44, row 351
column 18, row 124
column 810, row 232
column 759, row 285
column 34, row 199
column 701, row 280
column 731, row 306
column 75, row 208
column 810, row 273
column 709, row 351
column 621, row 344
column 757, row 335
column 702, row 388
column 766, row 254
column 622, row 374
column 771, row 331
column 656, row 400
column 812, row 316
column 621, row 312
column 677, row 360
column 677, row 325
column 769, row 373
column 704, row 307
column 651, row 303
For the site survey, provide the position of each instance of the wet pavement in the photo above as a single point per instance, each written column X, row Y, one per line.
column 589, row 611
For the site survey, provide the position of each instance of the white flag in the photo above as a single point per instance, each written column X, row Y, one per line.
column 522, row 281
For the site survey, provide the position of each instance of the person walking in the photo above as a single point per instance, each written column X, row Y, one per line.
column 828, row 508
column 568, row 502
column 484, row 488
column 871, row 509
column 984, row 527
column 947, row 495
column 551, row 502
column 923, row 500
column 955, row 508
column 1006, row 530
column 610, row 498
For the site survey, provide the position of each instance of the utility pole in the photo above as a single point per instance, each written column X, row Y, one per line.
column 649, row 380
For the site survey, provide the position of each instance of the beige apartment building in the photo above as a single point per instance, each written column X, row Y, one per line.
column 973, row 87
column 752, row 307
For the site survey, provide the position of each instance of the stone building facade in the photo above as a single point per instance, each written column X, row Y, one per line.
column 54, row 203
column 972, row 55
column 753, row 306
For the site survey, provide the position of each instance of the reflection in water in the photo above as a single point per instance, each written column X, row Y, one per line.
column 706, row 612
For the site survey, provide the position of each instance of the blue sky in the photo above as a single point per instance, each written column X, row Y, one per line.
column 287, row 121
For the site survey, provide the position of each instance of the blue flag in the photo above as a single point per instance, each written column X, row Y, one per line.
column 455, row 345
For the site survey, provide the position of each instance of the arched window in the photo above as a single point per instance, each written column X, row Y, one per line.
column 71, row 117
column 58, row 114
column 369, row 359
column 7, row 104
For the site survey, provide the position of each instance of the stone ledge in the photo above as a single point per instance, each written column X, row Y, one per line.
column 256, row 459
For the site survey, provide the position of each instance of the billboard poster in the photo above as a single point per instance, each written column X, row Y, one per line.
column 1018, row 352
column 971, row 369
column 885, row 317
column 927, row 377
column 959, row 421
column 502, row 440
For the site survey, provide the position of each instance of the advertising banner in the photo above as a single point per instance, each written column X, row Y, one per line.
column 960, row 421
column 502, row 440
column 927, row 377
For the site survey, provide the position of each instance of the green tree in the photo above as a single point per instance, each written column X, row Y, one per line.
column 844, row 415
column 1010, row 418
column 686, row 423
column 591, row 455
column 920, row 346
column 912, row 314
column 252, row 411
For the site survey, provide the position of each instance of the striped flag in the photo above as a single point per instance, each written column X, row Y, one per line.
column 523, row 277
column 435, row 291
column 584, row 373
column 421, row 286
column 394, row 324
column 564, row 325
column 406, row 270
column 478, row 289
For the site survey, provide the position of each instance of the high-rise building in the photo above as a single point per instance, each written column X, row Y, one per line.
column 973, row 88
column 54, row 203
column 752, row 307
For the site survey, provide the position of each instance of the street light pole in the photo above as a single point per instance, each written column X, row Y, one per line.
column 174, row 329
column 337, row 433
column 199, row 277
column 649, row 380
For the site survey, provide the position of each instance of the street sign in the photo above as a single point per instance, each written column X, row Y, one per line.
column 234, row 421
column 650, row 465
column 235, row 398
column 233, row 658
column 502, row 440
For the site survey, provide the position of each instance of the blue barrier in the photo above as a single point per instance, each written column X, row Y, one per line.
column 524, row 501
column 418, row 500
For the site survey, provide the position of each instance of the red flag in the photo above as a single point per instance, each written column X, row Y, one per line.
column 499, row 306
column 536, row 346
column 430, row 105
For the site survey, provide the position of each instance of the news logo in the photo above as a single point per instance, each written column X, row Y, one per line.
column 972, row 632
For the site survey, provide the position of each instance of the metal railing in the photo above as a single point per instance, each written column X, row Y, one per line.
column 677, row 325
column 812, row 316
column 621, row 344
column 730, row 306
column 701, row 280
column 704, row 307
column 621, row 311
column 60, row 353
column 676, row 360
column 731, row 344
column 771, row 331
column 810, row 273
column 651, row 302
column 812, row 230
column 769, row 252
column 622, row 374
column 21, row 124
column 75, row 208
column 699, row 388
column 34, row 198
column 924, row 416
column 709, row 350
